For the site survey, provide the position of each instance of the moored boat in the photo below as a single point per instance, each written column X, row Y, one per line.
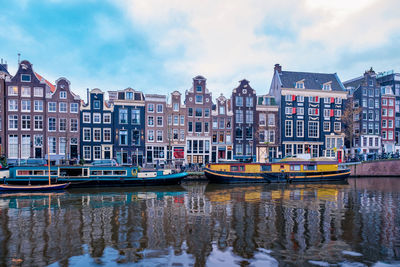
column 285, row 171
column 51, row 187
column 82, row 176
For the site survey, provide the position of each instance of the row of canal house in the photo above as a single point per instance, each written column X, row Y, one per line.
column 300, row 115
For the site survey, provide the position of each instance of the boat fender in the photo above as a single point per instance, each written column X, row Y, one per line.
column 134, row 172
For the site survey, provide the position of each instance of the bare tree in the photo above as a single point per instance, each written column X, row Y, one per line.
column 350, row 118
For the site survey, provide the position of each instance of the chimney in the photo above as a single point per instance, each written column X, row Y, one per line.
column 88, row 95
column 19, row 58
column 278, row 68
column 4, row 64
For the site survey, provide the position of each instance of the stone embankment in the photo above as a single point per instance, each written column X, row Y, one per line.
column 378, row 168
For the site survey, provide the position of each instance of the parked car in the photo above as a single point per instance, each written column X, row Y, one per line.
column 105, row 162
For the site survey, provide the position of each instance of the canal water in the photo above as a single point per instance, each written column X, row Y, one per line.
column 198, row 224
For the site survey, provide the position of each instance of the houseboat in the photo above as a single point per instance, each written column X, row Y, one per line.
column 285, row 171
column 82, row 176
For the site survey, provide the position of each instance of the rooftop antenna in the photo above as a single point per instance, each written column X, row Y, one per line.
column 19, row 56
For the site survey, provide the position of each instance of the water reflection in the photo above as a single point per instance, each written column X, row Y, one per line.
column 199, row 224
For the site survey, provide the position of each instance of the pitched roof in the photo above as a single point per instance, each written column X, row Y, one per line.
column 52, row 86
column 3, row 69
column 313, row 81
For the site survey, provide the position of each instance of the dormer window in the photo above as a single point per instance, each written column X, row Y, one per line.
column 129, row 95
column 198, row 89
column 25, row 78
column 300, row 84
column 327, row 86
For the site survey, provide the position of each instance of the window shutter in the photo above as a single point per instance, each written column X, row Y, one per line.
column 316, row 99
column 331, row 112
column 332, row 100
column 316, row 111
column 293, row 110
column 293, row 98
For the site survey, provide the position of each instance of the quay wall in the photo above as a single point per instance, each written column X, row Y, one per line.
column 375, row 168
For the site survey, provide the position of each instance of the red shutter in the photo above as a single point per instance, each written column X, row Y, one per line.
column 293, row 98
column 316, row 111
column 316, row 99
column 331, row 112
column 332, row 100
column 294, row 111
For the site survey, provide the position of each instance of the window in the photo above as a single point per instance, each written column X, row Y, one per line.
column 135, row 116
column 159, row 108
column 206, row 128
column 262, row 119
column 337, row 126
column 300, row 85
column 384, row 102
column 288, row 128
column 199, row 99
column 313, row 129
column 135, row 137
column 182, row 120
column 221, row 123
column 176, row 107
column 25, row 122
column 228, row 123
column 25, row 105
column 288, row 110
column 384, row 112
column 13, row 146
column 221, row 110
column 25, row 77
column 62, row 107
column 390, row 112
column 25, row 91
column 176, row 120
column 38, row 140
column 390, row 136
column 74, row 108
column 313, row 111
column 249, row 149
column 190, row 112
column 249, row 132
column 326, row 87
column 106, row 118
column 198, row 127
column 239, row 116
column 159, row 121
column 86, row 117
column 313, row 99
column 190, row 127
column 326, row 126
column 327, row 113
column 384, row 123
column 249, row 116
column 107, row 135
column 288, row 98
column 13, row 122
column 12, row 105
column 384, row 135
column 38, row 122
column 391, row 102
column 371, row 103
column 52, row 107
column 199, row 112
column 182, row 132
column 12, row 90
column 150, row 136
column 63, row 95
column 239, row 101
column 338, row 100
column 87, row 133
column 150, row 107
column 96, row 134
column 159, row 136
column 52, row 145
column 63, row 124
column 96, row 104
column 62, row 145
column 271, row 119
column 239, row 149
column 129, row 95
column 300, row 128
column 206, row 112
column 38, row 91
column 52, row 124
column 96, row 118
column 338, row 113
column 390, row 123
column 87, row 155
column 300, row 98
column 38, row 105
column 150, row 121
column 198, row 89
column 249, row 101
column 123, row 137
column 271, row 136
column 123, row 116
column 96, row 152
column 73, row 125
column 327, row 100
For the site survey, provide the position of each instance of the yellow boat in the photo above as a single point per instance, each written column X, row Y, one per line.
column 285, row 171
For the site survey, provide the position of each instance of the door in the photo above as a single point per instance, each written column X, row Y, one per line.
column 74, row 151
column 38, row 152
column 124, row 157
column 107, row 154
column 339, row 156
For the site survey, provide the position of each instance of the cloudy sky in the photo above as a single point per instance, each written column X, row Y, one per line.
column 158, row 46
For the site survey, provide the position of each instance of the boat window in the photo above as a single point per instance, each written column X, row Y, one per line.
column 310, row 167
column 266, row 168
column 241, row 168
column 95, row 172
column 38, row 172
column 107, row 172
column 51, row 173
column 85, row 172
column 234, row 168
column 120, row 173
column 295, row 167
column 23, row 172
